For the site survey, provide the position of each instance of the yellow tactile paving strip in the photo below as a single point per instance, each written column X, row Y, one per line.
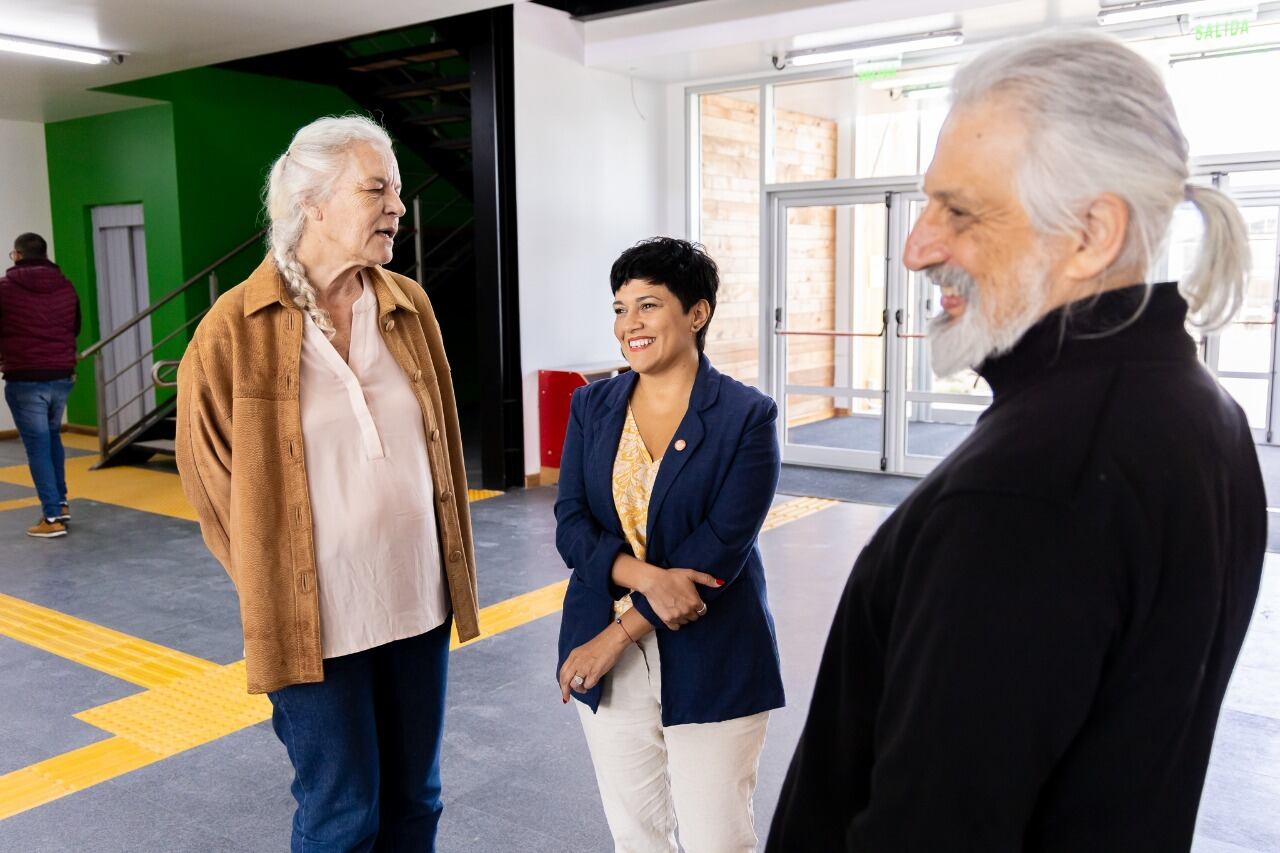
column 794, row 510
column 516, row 611
column 20, row 503
column 133, row 488
column 189, row 701
column 111, row 652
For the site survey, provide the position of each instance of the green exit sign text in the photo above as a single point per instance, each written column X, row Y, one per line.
column 1221, row 29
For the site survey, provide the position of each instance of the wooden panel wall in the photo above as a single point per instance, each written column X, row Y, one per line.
column 805, row 149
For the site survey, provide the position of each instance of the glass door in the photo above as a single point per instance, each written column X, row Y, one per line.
column 932, row 416
column 847, row 357
column 830, row 321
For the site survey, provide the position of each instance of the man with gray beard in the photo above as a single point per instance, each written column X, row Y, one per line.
column 1031, row 653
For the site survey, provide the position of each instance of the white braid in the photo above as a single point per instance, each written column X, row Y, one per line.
column 305, row 174
column 304, row 295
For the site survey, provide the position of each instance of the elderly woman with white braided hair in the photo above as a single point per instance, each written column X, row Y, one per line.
column 318, row 441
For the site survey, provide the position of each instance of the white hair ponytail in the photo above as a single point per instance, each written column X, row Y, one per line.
column 1215, row 287
column 305, row 174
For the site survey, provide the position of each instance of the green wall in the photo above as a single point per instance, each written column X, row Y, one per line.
column 198, row 164
column 118, row 158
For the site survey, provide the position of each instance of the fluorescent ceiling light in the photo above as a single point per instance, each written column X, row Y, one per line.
column 1222, row 53
column 917, row 93
column 54, row 50
column 1146, row 10
column 1249, row 14
column 882, row 48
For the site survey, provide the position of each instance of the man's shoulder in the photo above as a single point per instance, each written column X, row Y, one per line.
column 1145, row 419
column 1037, row 444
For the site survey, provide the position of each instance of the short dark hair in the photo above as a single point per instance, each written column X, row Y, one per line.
column 682, row 267
column 31, row 246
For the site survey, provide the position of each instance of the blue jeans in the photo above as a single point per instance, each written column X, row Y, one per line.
column 365, row 747
column 37, row 413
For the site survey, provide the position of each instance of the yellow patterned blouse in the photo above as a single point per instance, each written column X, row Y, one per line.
column 634, row 472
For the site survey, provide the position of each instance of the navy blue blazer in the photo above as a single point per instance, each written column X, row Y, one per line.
column 708, row 504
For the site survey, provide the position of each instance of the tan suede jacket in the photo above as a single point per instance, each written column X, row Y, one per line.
column 240, row 452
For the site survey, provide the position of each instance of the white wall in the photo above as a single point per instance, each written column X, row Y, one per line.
column 24, row 197
column 591, row 180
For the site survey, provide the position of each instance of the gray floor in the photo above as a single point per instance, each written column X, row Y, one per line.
column 516, row 769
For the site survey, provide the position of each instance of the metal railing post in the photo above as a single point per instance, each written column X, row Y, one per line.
column 417, row 238
column 213, row 288
column 100, row 383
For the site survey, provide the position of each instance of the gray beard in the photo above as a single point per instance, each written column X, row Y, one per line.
column 967, row 341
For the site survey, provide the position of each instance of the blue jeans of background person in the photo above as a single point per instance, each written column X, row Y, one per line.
column 37, row 413
column 365, row 747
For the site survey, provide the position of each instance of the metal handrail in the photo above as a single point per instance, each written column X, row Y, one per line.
column 155, row 374
column 403, row 234
column 454, row 233
column 130, row 401
column 196, row 319
column 441, row 209
column 417, row 191
column 174, row 294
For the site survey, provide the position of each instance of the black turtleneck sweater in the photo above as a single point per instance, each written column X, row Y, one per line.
column 1031, row 652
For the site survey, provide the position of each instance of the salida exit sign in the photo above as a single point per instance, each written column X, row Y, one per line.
column 1230, row 28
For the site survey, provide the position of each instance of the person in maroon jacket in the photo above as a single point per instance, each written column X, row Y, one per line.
column 39, row 321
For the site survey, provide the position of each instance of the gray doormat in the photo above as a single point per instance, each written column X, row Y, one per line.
column 853, row 486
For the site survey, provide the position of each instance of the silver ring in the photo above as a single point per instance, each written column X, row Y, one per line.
column 703, row 610
column 579, row 680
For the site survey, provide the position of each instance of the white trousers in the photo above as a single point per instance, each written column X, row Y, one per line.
column 699, row 776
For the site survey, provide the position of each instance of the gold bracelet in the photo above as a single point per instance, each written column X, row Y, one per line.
column 617, row 620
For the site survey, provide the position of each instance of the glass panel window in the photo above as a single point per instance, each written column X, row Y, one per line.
column 897, row 130
column 1251, row 394
column 856, row 128
column 1246, row 343
column 812, row 130
column 1217, row 103
column 835, row 295
column 1260, row 178
column 729, row 226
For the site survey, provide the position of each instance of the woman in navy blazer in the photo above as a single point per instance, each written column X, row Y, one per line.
column 679, row 633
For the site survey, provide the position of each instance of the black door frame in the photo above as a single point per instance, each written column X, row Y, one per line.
column 489, row 39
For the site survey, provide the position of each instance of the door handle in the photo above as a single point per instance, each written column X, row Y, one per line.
column 901, row 317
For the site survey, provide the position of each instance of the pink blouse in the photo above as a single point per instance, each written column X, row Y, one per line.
column 378, row 567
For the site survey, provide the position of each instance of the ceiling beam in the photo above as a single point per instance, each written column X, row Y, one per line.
column 592, row 10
